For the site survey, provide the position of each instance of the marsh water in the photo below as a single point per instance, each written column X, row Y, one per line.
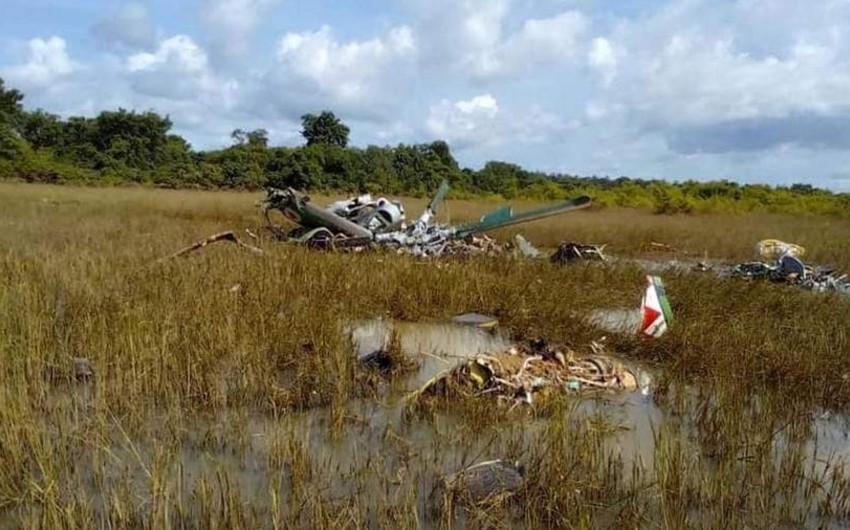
column 377, row 454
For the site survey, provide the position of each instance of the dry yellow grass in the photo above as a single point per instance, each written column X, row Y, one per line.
column 225, row 395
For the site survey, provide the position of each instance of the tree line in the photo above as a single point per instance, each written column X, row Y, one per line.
column 125, row 146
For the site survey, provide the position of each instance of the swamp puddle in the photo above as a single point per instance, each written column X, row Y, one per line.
column 434, row 346
column 372, row 453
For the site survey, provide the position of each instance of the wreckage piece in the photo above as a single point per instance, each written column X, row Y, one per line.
column 655, row 310
column 505, row 216
column 774, row 249
column 526, row 248
column 485, row 481
column 422, row 238
column 298, row 208
column 789, row 269
column 515, row 376
column 569, row 251
column 222, row 236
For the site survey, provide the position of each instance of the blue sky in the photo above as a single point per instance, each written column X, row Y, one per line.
column 748, row 90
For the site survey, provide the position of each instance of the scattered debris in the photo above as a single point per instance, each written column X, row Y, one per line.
column 476, row 320
column 83, row 369
column 360, row 223
column 526, row 248
column 655, row 309
column 569, row 251
column 485, row 481
column 649, row 319
column 516, row 375
column 773, row 249
column 788, row 268
column 222, row 236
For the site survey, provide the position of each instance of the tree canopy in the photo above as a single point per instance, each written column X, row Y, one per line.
column 128, row 146
column 324, row 128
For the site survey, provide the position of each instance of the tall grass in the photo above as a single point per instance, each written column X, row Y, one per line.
column 225, row 394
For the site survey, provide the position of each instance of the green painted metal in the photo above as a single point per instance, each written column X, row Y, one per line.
column 504, row 216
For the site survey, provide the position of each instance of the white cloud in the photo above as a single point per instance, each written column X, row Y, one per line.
column 47, row 61
column 698, row 80
column 540, row 42
column 179, row 69
column 128, row 26
column 233, row 22
column 464, row 122
column 470, row 36
column 708, row 82
column 356, row 76
column 603, row 59
column 480, row 122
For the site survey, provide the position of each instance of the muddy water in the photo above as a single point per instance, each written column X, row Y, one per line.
column 434, row 346
column 373, row 453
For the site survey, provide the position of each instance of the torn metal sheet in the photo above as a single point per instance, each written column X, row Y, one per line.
column 655, row 309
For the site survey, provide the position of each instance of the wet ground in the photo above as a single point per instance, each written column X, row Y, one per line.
column 377, row 454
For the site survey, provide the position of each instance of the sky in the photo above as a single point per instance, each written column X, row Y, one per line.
column 755, row 91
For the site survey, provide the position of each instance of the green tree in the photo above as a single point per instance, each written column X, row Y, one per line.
column 40, row 128
column 325, row 128
column 10, row 105
column 238, row 136
column 258, row 138
column 11, row 145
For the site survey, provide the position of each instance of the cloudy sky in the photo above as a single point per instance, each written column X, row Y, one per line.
column 750, row 90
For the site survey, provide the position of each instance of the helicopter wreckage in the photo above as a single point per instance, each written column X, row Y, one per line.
column 363, row 222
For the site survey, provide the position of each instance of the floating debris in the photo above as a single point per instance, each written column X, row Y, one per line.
column 569, row 251
column 485, row 481
column 515, row 375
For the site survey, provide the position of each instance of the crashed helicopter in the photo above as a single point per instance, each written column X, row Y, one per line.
column 362, row 222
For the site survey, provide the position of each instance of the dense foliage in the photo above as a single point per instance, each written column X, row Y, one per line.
column 130, row 147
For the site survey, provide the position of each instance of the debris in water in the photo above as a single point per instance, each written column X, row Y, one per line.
column 378, row 360
column 476, row 320
column 485, row 481
column 517, row 374
column 569, row 251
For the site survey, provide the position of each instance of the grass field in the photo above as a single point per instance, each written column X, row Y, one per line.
column 225, row 394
